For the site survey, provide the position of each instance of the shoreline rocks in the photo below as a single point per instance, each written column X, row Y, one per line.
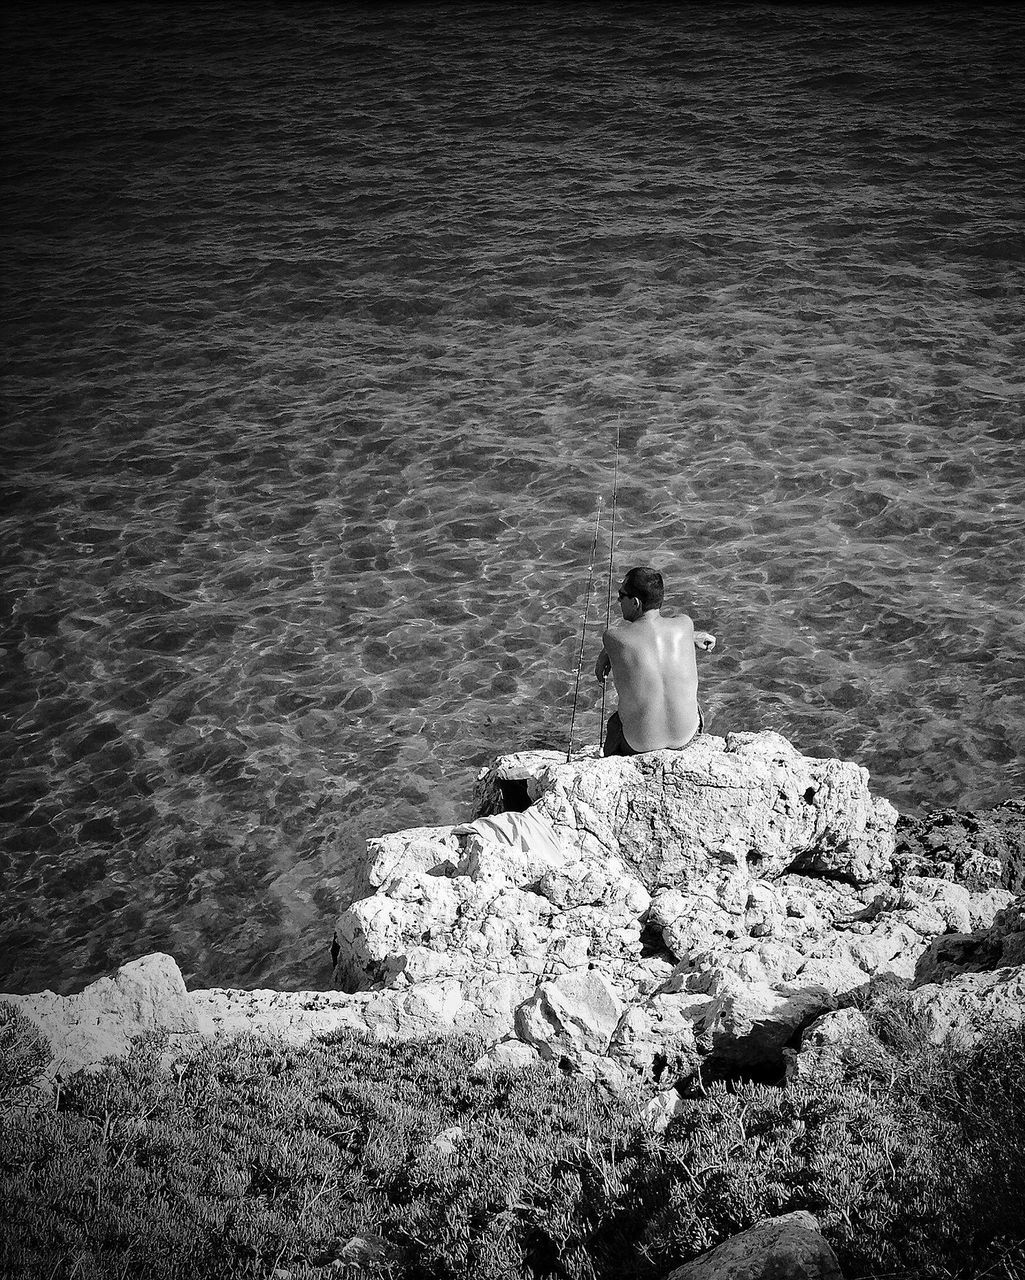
column 651, row 917
column 722, row 898
column 103, row 1020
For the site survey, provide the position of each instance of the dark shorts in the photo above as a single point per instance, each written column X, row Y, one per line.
column 617, row 745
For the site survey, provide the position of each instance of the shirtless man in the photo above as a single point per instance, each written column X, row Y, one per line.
column 651, row 659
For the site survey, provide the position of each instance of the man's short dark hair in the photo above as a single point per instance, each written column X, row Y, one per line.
column 646, row 586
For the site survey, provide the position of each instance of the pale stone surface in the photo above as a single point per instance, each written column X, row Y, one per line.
column 483, row 927
column 790, row 1247
column 726, row 895
column 748, row 1027
column 661, row 1109
column 570, row 1016
column 966, row 985
column 506, row 1055
column 997, row 942
column 102, row 1020
column 656, row 1037
column 747, row 802
column 602, row 1070
column 432, row 850
column 969, row 1006
column 448, row 1141
column 834, row 1043
column 297, row 1016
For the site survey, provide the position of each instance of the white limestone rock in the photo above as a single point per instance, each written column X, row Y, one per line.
column 827, row 933
column 683, row 841
column 726, row 894
column 482, row 927
column 570, row 1016
column 506, row 1055
column 657, row 1037
column 430, row 850
column 747, row 1028
column 748, row 802
column 662, row 1109
column 833, row 1044
column 604, row 1071
column 448, row 1142
column 966, row 985
column 970, row 984
column 297, row 1016
column 996, row 942
column 969, row 1006
column 103, row 1020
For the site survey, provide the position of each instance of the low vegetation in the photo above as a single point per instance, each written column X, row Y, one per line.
column 257, row 1159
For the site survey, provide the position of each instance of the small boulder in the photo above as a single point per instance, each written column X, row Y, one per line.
column 748, row 1026
column 507, row 1055
column 833, row 1044
column 448, row 1141
column 661, row 1110
column 572, row 1015
column 790, row 1247
column 748, row 802
column 656, row 1036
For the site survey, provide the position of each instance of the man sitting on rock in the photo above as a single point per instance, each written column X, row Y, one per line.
column 651, row 659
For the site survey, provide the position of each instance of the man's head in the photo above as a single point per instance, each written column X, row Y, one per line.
column 645, row 586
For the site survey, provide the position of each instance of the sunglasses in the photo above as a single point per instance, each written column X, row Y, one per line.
column 622, row 595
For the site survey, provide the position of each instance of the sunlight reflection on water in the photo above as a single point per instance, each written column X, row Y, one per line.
column 316, row 372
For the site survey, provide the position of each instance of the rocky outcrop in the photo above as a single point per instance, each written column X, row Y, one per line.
column 660, row 913
column 745, row 803
column 149, row 995
column 965, row 987
column 790, row 1247
column 103, row 1020
column 968, row 985
column 956, row 845
column 1001, row 945
column 712, row 909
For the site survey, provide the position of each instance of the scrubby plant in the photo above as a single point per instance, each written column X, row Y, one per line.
column 24, row 1052
column 258, row 1159
column 912, row 1163
column 252, row 1157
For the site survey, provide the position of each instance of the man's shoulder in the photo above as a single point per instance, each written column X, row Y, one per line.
column 677, row 622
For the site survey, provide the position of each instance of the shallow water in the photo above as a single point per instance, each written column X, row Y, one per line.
column 320, row 329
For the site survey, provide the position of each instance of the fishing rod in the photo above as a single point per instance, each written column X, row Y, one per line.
column 608, row 599
column 583, row 627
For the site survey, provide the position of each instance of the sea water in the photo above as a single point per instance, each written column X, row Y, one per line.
column 321, row 326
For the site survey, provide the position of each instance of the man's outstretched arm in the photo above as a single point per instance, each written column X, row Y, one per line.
column 603, row 665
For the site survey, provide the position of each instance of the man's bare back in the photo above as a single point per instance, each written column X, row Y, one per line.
column 651, row 659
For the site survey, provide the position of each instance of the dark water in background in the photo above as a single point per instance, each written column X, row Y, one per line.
column 319, row 323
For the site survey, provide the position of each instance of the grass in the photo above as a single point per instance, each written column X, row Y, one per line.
column 256, row 1159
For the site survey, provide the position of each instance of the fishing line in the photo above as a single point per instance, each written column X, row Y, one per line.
column 583, row 627
column 608, row 600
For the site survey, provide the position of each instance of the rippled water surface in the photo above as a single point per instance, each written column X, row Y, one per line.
column 320, row 325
